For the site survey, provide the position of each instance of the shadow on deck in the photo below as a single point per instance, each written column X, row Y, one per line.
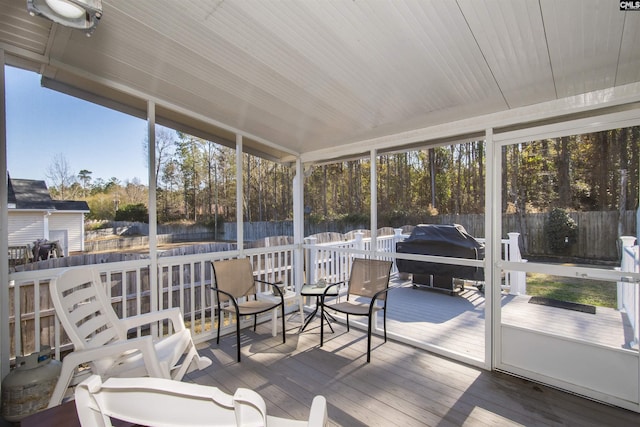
column 402, row 386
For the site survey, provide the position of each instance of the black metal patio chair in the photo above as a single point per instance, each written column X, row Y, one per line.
column 368, row 284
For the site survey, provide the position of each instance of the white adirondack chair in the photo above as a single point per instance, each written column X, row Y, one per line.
column 160, row 402
column 100, row 337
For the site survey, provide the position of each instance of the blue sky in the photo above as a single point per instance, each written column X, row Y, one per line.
column 42, row 123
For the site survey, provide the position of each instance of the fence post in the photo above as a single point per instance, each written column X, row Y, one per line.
column 311, row 263
column 518, row 278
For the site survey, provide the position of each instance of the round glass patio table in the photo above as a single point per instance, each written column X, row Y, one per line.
column 315, row 290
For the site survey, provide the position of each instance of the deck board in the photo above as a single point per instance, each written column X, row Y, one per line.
column 457, row 322
column 402, row 386
column 437, row 318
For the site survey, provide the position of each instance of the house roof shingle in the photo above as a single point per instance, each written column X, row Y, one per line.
column 71, row 205
column 30, row 194
column 34, row 194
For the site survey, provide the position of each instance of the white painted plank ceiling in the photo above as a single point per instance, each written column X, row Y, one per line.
column 297, row 76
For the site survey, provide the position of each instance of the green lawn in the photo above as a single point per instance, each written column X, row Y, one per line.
column 583, row 291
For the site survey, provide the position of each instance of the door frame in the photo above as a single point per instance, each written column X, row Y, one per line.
column 606, row 374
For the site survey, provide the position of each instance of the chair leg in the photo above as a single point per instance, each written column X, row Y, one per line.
column 66, row 375
column 238, row 334
column 369, row 339
column 321, row 324
column 219, row 322
column 384, row 324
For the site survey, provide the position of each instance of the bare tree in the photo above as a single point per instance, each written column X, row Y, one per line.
column 134, row 192
column 60, row 175
column 164, row 142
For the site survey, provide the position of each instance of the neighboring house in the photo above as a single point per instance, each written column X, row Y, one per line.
column 34, row 215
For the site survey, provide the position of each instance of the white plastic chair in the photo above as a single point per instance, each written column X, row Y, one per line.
column 160, row 402
column 100, row 337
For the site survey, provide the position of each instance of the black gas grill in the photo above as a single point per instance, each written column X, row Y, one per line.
column 448, row 240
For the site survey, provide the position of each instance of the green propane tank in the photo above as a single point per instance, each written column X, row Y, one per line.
column 28, row 387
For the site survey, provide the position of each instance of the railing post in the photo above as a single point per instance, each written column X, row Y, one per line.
column 311, row 262
column 359, row 243
column 518, row 278
column 397, row 237
column 628, row 294
column 17, row 325
column 627, row 263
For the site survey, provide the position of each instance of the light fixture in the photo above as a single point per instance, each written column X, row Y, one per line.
column 79, row 14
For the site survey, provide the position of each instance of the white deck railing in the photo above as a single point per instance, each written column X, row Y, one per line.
column 628, row 292
column 515, row 282
column 32, row 319
column 332, row 260
column 183, row 282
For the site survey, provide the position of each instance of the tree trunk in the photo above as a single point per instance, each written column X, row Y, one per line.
column 563, row 165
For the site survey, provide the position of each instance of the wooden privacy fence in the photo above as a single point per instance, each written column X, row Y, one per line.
column 124, row 243
column 257, row 230
column 597, row 232
column 597, row 237
column 141, row 228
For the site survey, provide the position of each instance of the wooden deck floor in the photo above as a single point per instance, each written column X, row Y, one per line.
column 402, row 386
column 406, row 386
column 457, row 323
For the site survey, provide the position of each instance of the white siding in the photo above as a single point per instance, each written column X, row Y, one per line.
column 25, row 227
column 73, row 223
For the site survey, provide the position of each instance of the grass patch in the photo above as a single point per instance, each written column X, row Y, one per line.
column 582, row 291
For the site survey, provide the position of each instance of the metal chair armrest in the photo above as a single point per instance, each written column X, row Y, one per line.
column 377, row 294
column 326, row 289
column 279, row 282
column 274, row 285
